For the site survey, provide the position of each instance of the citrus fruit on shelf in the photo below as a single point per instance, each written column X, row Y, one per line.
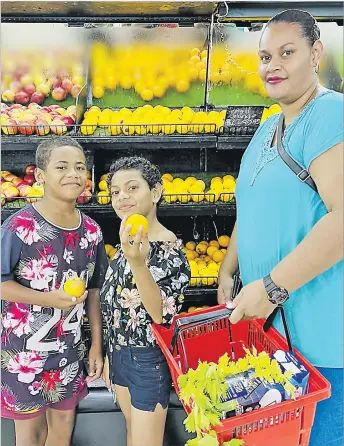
column 74, row 286
column 137, row 220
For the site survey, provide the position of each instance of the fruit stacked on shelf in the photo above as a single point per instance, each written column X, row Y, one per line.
column 194, row 190
column 149, row 69
column 13, row 187
column 34, row 119
column 205, row 259
column 18, row 191
column 103, row 196
column 32, row 77
column 270, row 111
column 152, row 69
column 151, row 120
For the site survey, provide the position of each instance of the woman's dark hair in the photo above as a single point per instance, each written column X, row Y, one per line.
column 307, row 23
column 45, row 148
column 149, row 171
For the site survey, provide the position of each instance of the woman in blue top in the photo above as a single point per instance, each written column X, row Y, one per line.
column 288, row 239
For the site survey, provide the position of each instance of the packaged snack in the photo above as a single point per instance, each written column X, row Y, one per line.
column 289, row 362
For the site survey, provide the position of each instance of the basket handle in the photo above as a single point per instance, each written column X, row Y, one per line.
column 196, row 320
column 270, row 319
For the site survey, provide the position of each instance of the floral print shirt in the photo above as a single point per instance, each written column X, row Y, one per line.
column 126, row 319
column 42, row 347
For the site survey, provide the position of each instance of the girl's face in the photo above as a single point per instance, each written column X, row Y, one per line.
column 66, row 173
column 287, row 62
column 131, row 194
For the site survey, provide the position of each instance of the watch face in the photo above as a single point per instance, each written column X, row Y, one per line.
column 278, row 296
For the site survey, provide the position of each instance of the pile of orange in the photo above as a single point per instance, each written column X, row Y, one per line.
column 205, row 259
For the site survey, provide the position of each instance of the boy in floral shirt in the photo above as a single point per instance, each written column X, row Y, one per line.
column 44, row 244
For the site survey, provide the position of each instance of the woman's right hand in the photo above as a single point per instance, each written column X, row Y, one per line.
column 106, row 373
column 224, row 289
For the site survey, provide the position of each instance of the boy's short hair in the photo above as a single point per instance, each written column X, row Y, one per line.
column 45, row 148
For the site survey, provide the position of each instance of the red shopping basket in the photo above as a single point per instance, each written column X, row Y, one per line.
column 207, row 335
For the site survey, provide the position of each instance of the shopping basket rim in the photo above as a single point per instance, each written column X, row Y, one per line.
column 321, row 393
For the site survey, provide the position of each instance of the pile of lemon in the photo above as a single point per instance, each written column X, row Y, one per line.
column 194, row 190
column 103, row 196
column 152, row 120
column 110, row 252
column 270, row 111
column 205, row 259
column 151, row 69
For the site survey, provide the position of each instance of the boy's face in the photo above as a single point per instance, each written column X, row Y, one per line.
column 66, row 173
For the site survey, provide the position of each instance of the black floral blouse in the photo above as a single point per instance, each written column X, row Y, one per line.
column 126, row 319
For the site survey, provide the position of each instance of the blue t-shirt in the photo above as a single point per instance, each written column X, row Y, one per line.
column 275, row 211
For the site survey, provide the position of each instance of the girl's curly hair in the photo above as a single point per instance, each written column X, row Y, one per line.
column 149, row 171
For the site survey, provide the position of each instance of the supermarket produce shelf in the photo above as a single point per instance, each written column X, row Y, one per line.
column 222, row 142
column 164, row 210
column 108, row 11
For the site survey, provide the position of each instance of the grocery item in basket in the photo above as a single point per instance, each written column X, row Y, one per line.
column 247, row 392
column 289, row 362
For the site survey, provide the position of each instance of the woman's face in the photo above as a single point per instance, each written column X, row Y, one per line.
column 131, row 194
column 287, row 62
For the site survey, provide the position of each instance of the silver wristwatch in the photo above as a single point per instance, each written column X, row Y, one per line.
column 276, row 294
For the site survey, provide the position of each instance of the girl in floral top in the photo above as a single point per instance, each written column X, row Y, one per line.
column 44, row 244
column 144, row 284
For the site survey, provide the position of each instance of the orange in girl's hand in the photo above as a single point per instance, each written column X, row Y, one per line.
column 137, row 220
column 74, row 286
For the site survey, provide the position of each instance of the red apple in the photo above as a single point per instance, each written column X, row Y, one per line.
column 22, row 98
column 25, row 190
column 26, row 128
column 84, row 197
column 30, row 89
column 30, row 169
column 58, row 94
column 58, row 127
column 67, row 85
column 53, row 108
column 46, row 109
column 37, row 97
column 68, row 121
column 30, row 179
column 73, row 116
column 42, row 127
column 75, row 90
column 22, row 184
column 16, row 181
column 11, row 192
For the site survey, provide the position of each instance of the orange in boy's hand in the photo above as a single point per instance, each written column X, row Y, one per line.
column 75, row 287
column 137, row 220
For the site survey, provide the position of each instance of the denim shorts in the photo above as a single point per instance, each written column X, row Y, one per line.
column 328, row 423
column 144, row 371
